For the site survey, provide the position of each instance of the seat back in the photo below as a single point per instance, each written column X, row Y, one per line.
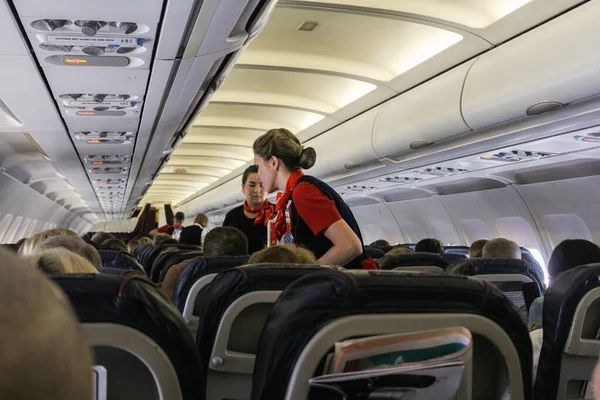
column 137, row 335
column 571, row 320
column 112, row 258
column 235, row 308
column 167, row 259
column 328, row 306
column 453, row 257
column 142, row 252
column 425, row 269
column 507, row 275
column 464, row 250
column 158, row 250
column 412, row 260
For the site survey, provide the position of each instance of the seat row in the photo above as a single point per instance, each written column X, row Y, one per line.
column 261, row 331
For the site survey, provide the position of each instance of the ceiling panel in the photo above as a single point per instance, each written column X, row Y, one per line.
column 358, row 45
column 309, row 91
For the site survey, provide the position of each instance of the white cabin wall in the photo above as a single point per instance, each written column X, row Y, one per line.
column 377, row 222
column 23, row 211
column 565, row 209
column 494, row 213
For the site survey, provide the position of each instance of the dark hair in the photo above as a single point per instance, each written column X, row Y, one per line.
column 284, row 145
column 101, row 237
column 379, row 244
column 253, row 169
column 572, row 253
column 429, row 246
column 179, row 216
column 115, row 244
column 225, row 241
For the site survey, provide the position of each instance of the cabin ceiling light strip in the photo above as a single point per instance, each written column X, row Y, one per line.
column 517, row 155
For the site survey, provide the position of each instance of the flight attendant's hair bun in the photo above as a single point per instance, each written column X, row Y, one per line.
column 308, row 157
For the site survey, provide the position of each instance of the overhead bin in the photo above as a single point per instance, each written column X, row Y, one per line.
column 427, row 113
column 348, row 144
column 556, row 62
column 227, row 25
column 223, row 196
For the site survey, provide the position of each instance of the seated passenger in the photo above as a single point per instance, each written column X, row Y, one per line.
column 501, row 248
column 476, row 248
column 399, row 250
column 429, row 246
column 62, row 261
column 225, row 241
column 378, row 244
column 74, row 244
column 45, row 353
column 33, row 241
column 116, row 244
column 566, row 255
column 172, row 230
column 101, row 237
column 283, row 254
column 159, row 238
column 196, row 233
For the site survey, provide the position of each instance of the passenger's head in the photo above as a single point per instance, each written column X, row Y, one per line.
column 429, row 246
column 159, row 238
column 62, row 261
column 132, row 244
column 116, row 244
column 45, row 353
column 283, row 254
column 101, row 237
column 178, row 221
column 202, row 220
column 278, row 150
column 33, row 241
column 399, row 250
column 501, row 248
column 253, row 188
column 225, row 241
column 572, row 253
column 477, row 247
column 72, row 243
column 378, row 244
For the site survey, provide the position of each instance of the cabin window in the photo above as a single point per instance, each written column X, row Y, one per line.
column 475, row 229
column 21, row 232
column 537, row 255
column 32, row 228
column 4, row 224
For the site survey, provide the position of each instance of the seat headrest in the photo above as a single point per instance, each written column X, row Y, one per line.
column 412, row 260
column 453, row 257
column 560, row 303
column 231, row 284
column 118, row 259
column 135, row 302
column 312, row 301
column 488, row 266
column 199, row 267
column 142, row 252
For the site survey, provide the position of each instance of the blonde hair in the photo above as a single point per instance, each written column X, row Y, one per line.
column 33, row 241
column 201, row 219
column 399, row 250
column 284, row 145
column 62, row 261
column 285, row 254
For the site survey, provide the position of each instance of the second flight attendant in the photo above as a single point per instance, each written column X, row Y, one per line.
column 252, row 216
column 320, row 219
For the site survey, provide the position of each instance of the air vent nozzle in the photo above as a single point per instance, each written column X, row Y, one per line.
column 517, row 155
column 441, row 171
column 90, row 28
column 399, row 179
column 49, row 24
column 126, row 27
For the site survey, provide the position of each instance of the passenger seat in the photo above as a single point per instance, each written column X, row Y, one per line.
column 571, row 320
column 413, row 260
column 325, row 307
column 137, row 335
column 233, row 313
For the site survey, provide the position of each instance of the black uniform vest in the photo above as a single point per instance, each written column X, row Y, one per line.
column 319, row 244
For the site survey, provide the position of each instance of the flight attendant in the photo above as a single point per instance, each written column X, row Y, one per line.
column 320, row 219
column 252, row 216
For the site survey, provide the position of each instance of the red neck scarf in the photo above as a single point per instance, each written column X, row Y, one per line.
column 264, row 212
column 282, row 201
